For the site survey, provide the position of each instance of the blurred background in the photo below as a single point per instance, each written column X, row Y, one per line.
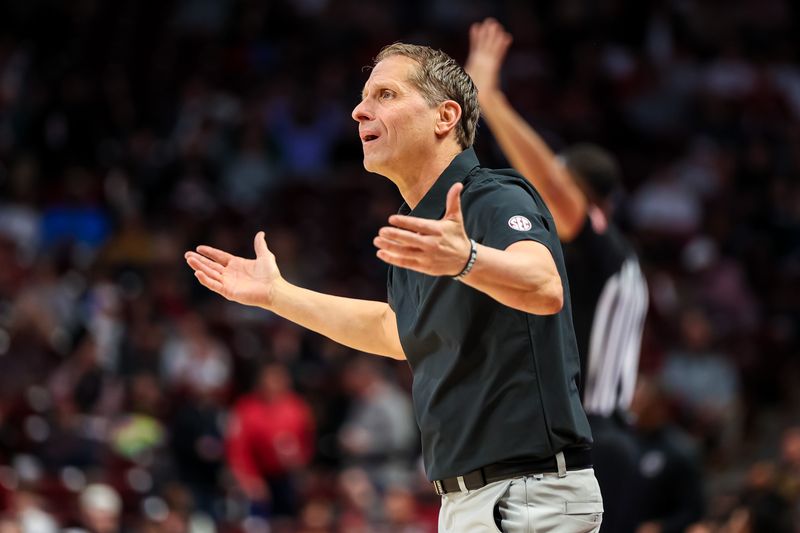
column 132, row 399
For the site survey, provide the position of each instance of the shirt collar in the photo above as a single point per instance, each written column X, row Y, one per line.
column 432, row 205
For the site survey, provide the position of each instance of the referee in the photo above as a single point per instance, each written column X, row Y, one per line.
column 609, row 292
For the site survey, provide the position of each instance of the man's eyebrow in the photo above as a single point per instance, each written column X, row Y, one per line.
column 382, row 84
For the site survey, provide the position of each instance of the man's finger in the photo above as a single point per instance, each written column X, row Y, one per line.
column 453, row 210
column 505, row 41
column 395, row 247
column 398, row 260
column 213, row 265
column 489, row 30
column 474, row 33
column 223, row 258
column 260, row 244
column 477, row 36
column 199, row 266
column 408, row 238
column 420, row 225
column 207, row 282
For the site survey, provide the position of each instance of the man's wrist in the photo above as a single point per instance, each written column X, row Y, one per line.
column 473, row 255
column 276, row 289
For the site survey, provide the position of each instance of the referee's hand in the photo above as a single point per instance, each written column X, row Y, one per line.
column 433, row 247
column 488, row 44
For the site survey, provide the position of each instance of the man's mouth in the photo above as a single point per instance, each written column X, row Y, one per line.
column 368, row 137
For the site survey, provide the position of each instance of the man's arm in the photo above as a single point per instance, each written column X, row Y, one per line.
column 364, row 325
column 523, row 276
column 524, row 148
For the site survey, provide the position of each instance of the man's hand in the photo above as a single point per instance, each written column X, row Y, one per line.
column 488, row 44
column 247, row 281
column 433, row 247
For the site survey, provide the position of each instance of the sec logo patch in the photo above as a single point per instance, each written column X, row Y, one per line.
column 519, row 223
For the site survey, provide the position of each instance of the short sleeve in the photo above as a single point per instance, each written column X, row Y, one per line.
column 389, row 287
column 501, row 211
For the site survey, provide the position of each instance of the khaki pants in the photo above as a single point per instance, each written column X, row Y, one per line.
column 541, row 503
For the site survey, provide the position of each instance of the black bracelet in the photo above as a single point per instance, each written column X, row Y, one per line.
column 473, row 254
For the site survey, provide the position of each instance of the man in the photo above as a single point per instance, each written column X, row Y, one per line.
column 505, row 440
column 609, row 293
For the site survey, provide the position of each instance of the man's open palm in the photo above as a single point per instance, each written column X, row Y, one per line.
column 247, row 281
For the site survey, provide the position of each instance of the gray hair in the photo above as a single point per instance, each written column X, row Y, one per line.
column 440, row 78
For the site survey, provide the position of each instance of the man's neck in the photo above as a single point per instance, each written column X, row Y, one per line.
column 415, row 183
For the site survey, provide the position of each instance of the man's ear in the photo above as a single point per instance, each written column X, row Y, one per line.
column 448, row 114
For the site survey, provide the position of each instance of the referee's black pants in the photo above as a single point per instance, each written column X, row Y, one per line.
column 615, row 456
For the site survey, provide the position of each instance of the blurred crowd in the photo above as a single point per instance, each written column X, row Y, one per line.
column 132, row 399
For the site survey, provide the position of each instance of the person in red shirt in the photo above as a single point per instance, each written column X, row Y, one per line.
column 270, row 437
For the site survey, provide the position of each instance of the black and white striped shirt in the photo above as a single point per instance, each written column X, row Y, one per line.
column 609, row 305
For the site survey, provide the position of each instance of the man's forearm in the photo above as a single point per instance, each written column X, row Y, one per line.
column 364, row 325
column 522, row 277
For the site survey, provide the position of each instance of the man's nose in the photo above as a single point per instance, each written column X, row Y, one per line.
column 361, row 112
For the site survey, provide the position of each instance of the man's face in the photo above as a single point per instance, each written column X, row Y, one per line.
column 395, row 123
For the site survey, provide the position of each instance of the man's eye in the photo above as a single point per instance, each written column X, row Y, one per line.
column 386, row 94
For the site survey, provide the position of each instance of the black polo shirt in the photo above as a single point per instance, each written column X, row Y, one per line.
column 491, row 383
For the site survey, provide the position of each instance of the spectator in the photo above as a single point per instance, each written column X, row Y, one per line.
column 270, row 437
column 194, row 361
column 401, row 514
column 703, row 381
column 28, row 510
column 198, row 448
column 788, row 482
column 758, row 507
column 9, row 525
column 721, row 285
column 101, row 508
column 378, row 434
column 671, row 479
column 249, row 175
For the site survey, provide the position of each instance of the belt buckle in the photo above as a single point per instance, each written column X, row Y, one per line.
column 438, row 488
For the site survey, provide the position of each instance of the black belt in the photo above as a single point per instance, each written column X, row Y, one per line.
column 575, row 459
